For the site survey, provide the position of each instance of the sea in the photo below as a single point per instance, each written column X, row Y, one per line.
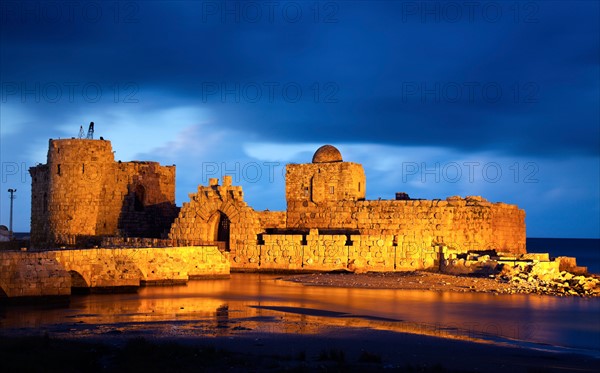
column 586, row 250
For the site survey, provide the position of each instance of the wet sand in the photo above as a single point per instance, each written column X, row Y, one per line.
column 405, row 281
column 340, row 350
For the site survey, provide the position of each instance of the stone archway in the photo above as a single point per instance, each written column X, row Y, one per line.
column 217, row 213
column 78, row 283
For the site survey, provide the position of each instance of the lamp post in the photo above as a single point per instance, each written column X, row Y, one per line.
column 12, row 197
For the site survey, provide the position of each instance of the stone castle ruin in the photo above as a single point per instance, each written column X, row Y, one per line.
column 83, row 195
column 99, row 224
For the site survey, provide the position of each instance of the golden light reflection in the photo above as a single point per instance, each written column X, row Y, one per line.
column 254, row 303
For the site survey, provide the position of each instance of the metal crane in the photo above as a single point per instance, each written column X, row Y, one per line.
column 90, row 133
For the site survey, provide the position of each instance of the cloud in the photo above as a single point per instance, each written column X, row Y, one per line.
column 386, row 82
column 275, row 152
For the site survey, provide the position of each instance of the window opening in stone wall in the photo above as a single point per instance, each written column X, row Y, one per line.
column 83, row 168
column 331, row 190
column 359, row 186
column 306, row 192
column 304, row 242
column 349, row 241
column 58, row 169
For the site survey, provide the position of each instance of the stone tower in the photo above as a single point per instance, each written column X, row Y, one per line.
column 82, row 194
column 327, row 179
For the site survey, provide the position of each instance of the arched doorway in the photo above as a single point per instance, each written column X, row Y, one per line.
column 223, row 227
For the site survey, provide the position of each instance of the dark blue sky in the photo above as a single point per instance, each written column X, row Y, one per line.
column 492, row 98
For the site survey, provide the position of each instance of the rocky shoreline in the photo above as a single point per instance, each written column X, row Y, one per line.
column 506, row 282
column 563, row 284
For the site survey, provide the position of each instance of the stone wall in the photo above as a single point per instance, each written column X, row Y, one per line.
column 272, row 219
column 466, row 224
column 327, row 252
column 32, row 274
column 135, row 266
column 145, row 199
column 330, row 196
column 314, row 183
column 50, row 273
column 82, row 193
column 350, row 234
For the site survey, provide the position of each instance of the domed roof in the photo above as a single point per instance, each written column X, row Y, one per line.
column 327, row 153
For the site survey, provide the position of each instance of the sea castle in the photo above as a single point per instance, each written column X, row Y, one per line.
column 97, row 222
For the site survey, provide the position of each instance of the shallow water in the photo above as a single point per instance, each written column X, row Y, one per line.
column 253, row 303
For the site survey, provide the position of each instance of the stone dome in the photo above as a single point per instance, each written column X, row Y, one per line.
column 327, row 153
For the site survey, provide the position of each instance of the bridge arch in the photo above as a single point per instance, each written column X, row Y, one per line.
column 78, row 282
column 3, row 294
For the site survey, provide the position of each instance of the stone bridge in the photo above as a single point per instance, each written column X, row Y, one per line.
column 56, row 272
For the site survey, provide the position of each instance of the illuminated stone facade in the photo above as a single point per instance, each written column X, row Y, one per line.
column 56, row 272
column 329, row 225
column 81, row 194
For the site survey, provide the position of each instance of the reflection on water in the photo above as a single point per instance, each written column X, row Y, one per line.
column 253, row 303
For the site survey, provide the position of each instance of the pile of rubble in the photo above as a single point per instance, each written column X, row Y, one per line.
column 529, row 280
column 527, row 273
